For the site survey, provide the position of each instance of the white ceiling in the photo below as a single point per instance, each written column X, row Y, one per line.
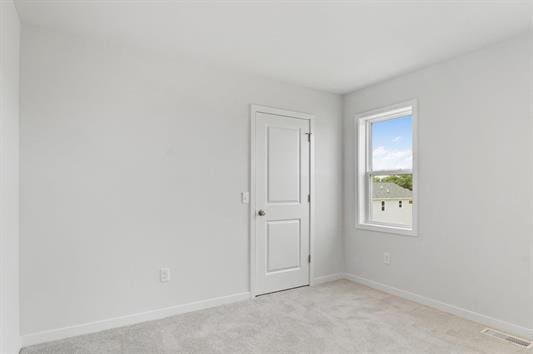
column 338, row 46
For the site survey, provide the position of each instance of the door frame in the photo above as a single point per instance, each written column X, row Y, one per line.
column 254, row 109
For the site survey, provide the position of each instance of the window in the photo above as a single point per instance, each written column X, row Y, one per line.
column 387, row 169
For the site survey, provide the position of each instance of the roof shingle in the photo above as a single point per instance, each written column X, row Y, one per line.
column 388, row 190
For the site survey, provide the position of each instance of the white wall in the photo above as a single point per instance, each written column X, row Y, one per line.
column 475, row 173
column 131, row 162
column 9, row 178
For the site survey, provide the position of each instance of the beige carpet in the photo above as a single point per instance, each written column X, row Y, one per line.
column 337, row 317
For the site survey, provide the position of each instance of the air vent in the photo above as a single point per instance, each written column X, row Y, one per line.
column 523, row 343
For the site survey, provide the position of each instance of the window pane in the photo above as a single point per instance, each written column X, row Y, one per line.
column 392, row 144
column 392, row 199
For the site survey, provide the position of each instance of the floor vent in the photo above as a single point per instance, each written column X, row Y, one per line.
column 507, row 337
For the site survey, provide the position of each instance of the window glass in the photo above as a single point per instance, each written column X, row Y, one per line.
column 392, row 144
column 388, row 192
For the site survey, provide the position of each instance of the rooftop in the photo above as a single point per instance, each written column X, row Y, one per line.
column 388, row 190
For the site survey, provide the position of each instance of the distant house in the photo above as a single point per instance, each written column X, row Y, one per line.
column 391, row 203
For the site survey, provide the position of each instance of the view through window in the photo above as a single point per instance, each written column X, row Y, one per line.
column 386, row 169
column 391, row 173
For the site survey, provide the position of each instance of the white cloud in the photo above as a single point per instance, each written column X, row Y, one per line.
column 384, row 159
column 395, row 140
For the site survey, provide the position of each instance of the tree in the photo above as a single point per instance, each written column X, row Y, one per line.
column 404, row 181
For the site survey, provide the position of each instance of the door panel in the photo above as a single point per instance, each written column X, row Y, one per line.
column 282, row 153
column 283, row 245
column 283, row 165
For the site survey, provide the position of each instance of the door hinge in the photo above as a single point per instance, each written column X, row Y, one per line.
column 308, row 137
column 309, row 198
column 309, row 258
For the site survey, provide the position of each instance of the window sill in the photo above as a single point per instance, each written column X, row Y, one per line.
column 388, row 229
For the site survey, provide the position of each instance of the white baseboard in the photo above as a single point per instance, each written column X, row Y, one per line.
column 327, row 278
column 97, row 326
column 71, row 331
column 454, row 310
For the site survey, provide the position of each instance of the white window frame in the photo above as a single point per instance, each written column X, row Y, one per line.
column 364, row 162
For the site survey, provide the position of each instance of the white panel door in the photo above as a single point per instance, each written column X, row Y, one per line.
column 282, row 187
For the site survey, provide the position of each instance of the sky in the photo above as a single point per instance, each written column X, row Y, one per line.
column 392, row 144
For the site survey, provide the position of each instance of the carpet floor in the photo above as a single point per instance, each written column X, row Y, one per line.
column 336, row 317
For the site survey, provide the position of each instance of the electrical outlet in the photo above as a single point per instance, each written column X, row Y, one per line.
column 386, row 258
column 245, row 197
column 164, row 275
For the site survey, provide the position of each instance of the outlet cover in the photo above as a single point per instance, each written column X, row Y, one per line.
column 164, row 275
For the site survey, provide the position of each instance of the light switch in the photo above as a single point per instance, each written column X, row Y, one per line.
column 245, row 197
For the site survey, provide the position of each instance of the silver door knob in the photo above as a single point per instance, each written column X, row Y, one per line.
column 261, row 212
